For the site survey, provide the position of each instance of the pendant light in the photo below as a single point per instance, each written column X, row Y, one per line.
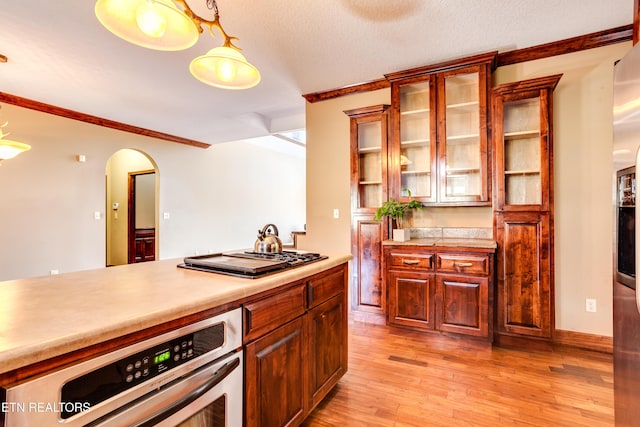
column 161, row 25
column 8, row 148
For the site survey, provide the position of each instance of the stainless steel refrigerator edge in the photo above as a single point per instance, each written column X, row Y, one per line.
column 626, row 302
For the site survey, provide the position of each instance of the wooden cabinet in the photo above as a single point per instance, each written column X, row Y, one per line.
column 463, row 305
column 439, row 132
column 440, row 289
column 274, row 377
column 368, row 190
column 295, row 348
column 523, row 144
column 411, row 299
column 328, row 347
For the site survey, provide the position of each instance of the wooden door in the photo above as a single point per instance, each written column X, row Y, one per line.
column 463, row 305
column 411, row 299
column 141, row 217
column 328, row 346
column 275, row 382
column 368, row 299
column 525, row 296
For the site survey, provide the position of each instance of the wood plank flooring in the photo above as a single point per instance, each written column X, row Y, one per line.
column 403, row 378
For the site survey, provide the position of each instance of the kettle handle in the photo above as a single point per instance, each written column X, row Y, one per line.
column 266, row 227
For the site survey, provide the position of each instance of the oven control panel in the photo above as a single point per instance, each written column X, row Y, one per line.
column 116, row 377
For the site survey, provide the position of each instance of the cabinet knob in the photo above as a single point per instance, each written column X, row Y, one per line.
column 410, row 261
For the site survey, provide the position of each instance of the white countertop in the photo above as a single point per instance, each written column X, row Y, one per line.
column 48, row 316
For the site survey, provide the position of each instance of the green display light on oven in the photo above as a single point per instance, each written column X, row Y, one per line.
column 159, row 358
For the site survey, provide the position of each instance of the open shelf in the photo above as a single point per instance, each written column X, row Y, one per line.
column 416, row 111
column 369, row 149
column 415, row 142
column 419, row 172
column 533, row 133
column 522, row 172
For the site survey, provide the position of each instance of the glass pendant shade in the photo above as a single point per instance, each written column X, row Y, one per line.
column 226, row 68
column 154, row 24
column 9, row 149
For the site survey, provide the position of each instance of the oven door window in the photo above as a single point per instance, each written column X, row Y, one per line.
column 213, row 415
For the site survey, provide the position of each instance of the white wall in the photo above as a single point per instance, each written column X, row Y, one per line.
column 117, row 221
column 217, row 198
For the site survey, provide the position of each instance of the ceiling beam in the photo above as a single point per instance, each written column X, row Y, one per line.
column 75, row 115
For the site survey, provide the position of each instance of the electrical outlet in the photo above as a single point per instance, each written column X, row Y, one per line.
column 591, row 305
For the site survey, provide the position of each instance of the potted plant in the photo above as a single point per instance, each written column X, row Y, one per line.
column 396, row 211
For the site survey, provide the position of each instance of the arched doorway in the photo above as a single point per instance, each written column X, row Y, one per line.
column 132, row 208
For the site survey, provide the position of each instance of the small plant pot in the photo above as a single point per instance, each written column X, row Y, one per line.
column 401, row 235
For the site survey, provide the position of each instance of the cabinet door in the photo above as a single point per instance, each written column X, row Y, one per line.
column 463, row 305
column 414, row 149
column 328, row 347
column 523, row 140
column 367, row 293
column 525, row 270
column 462, row 135
column 275, row 382
column 411, row 299
column 369, row 136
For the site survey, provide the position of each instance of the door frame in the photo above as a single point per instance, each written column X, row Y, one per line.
column 131, row 213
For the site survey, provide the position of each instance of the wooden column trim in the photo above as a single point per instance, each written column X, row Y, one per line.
column 82, row 117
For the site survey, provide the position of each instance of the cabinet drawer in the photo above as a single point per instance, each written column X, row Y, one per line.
column 463, row 263
column 324, row 287
column 267, row 314
column 411, row 260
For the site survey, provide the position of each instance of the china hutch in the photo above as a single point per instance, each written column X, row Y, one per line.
column 369, row 135
column 439, row 150
column 523, row 210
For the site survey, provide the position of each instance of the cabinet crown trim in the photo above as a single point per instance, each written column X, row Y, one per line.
column 490, row 58
column 547, row 82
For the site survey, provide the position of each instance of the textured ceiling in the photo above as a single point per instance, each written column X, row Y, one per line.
column 60, row 54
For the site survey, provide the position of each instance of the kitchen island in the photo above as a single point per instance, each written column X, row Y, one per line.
column 54, row 321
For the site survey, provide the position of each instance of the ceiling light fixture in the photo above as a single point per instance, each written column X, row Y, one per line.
column 161, row 25
column 9, row 149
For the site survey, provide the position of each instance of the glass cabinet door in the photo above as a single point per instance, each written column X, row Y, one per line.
column 523, row 140
column 417, row 140
column 522, row 162
column 368, row 157
column 370, row 164
column 439, row 149
column 463, row 151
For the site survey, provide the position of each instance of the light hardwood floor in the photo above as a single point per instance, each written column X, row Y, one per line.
column 403, row 378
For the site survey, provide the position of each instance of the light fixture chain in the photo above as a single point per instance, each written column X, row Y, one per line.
column 211, row 4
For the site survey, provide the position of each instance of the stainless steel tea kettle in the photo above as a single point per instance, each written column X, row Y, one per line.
column 268, row 241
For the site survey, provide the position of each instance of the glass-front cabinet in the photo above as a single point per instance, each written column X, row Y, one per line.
column 523, row 189
column 523, row 141
column 417, row 139
column 369, row 155
column 369, row 146
column 439, row 140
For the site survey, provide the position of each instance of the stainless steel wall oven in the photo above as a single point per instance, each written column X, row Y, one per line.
column 189, row 377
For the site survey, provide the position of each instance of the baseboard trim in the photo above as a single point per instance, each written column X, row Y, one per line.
column 585, row 341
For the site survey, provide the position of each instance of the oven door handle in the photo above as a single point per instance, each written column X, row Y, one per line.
column 219, row 375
